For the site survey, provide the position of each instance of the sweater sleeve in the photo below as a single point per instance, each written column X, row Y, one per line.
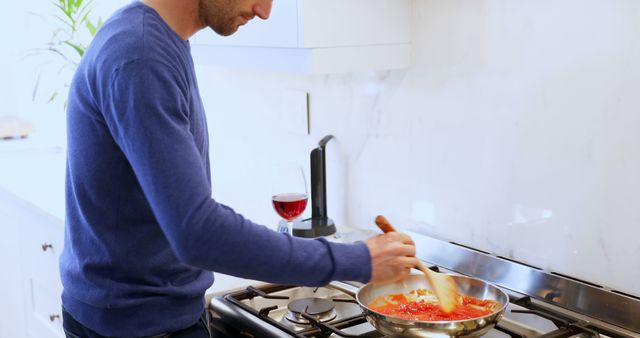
column 147, row 114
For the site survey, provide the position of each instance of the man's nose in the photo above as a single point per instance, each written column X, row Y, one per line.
column 263, row 8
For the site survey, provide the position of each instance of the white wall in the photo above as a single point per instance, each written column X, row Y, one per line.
column 515, row 131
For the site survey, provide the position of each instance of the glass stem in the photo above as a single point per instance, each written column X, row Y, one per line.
column 285, row 227
column 290, row 228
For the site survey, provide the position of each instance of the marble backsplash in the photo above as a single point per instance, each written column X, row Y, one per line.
column 515, row 131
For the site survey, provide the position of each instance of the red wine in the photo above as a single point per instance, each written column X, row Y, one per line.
column 289, row 205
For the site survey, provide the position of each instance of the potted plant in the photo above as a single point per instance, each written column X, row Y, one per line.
column 73, row 30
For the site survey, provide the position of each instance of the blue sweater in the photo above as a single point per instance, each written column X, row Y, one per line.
column 143, row 232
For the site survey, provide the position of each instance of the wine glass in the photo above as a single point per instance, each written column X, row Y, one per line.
column 289, row 195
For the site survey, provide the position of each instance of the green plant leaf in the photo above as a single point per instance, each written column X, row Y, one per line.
column 84, row 11
column 69, row 6
column 65, row 22
column 92, row 29
column 59, row 6
column 53, row 97
column 89, row 3
column 65, row 6
column 77, row 47
column 58, row 52
column 56, row 38
column 85, row 17
column 69, row 15
column 34, row 93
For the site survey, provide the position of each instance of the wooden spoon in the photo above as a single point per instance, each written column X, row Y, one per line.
column 444, row 286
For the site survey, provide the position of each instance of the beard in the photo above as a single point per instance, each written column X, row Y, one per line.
column 220, row 15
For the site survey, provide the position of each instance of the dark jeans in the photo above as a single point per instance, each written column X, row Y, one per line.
column 73, row 329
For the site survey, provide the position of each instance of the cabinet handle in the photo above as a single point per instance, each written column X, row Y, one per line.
column 46, row 246
column 54, row 317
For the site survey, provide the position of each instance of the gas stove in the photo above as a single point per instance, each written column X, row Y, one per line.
column 541, row 304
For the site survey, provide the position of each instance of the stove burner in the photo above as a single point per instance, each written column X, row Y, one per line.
column 320, row 309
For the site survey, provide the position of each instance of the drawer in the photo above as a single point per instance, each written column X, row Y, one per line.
column 44, row 312
column 41, row 249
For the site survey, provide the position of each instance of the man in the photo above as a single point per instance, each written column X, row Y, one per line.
column 143, row 232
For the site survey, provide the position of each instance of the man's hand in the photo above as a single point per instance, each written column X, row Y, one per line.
column 392, row 256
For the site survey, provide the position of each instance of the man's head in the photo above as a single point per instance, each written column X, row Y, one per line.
column 225, row 16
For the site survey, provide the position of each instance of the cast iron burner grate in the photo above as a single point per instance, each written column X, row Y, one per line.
column 322, row 310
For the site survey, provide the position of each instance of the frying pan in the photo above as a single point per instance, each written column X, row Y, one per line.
column 398, row 327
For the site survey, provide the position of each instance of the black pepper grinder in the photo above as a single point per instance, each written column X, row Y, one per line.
column 319, row 224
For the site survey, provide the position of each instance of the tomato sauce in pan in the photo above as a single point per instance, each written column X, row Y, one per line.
column 420, row 308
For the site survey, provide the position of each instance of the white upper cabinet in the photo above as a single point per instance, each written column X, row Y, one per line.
column 316, row 37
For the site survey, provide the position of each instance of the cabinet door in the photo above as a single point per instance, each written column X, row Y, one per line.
column 344, row 23
column 12, row 322
column 40, row 240
column 42, row 246
column 44, row 311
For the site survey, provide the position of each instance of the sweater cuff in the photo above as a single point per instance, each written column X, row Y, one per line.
column 352, row 262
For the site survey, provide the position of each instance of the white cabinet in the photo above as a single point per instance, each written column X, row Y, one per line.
column 33, row 288
column 41, row 248
column 316, row 36
column 12, row 322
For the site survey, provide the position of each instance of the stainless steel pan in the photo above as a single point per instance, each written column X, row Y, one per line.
column 397, row 327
